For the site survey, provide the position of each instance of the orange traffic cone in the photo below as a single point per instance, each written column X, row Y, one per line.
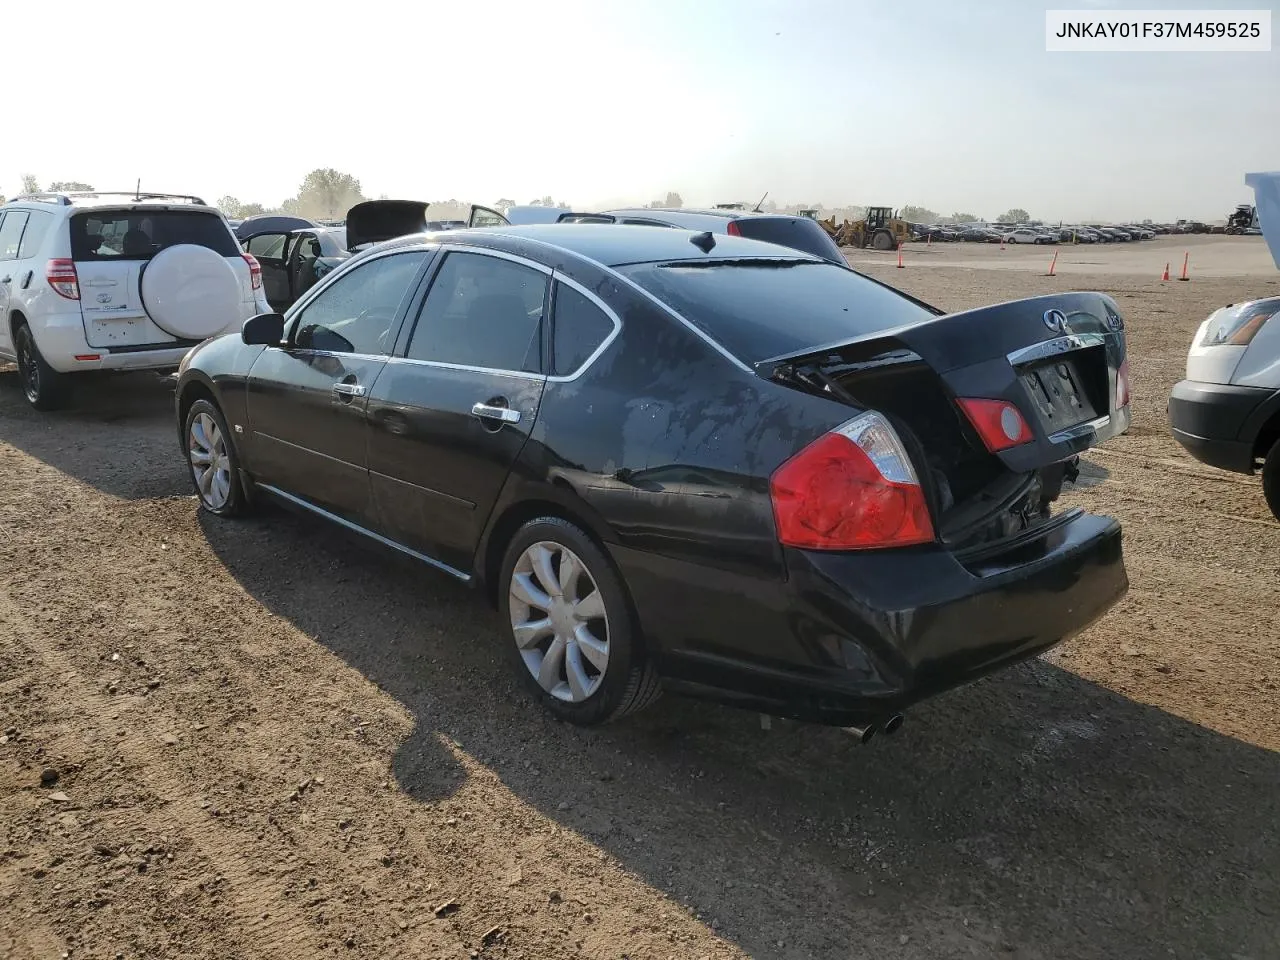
column 1166, row 272
column 1185, row 258
column 899, row 254
column 1002, row 241
column 1053, row 265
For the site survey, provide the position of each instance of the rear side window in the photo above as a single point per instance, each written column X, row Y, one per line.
column 798, row 233
column 11, row 233
column 579, row 328
column 141, row 234
column 33, row 236
column 483, row 312
column 762, row 309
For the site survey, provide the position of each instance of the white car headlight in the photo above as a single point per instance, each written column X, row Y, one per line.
column 1238, row 324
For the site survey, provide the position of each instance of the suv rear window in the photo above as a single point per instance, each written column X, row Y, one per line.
column 798, row 233
column 758, row 309
column 141, row 234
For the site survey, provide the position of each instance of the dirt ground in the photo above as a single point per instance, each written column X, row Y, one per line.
column 262, row 739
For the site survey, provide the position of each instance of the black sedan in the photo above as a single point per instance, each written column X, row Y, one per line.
column 687, row 460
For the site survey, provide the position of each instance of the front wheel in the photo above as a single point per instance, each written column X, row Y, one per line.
column 1271, row 479
column 44, row 387
column 572, row 639
column 211, row 458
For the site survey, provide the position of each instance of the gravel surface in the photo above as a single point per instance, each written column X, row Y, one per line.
column 264, row 739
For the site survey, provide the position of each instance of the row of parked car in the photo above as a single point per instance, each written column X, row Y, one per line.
column 833, row 501
column 1032, row 233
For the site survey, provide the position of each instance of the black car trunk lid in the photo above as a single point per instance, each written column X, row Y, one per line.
column 1056, row 358
column 377, row 220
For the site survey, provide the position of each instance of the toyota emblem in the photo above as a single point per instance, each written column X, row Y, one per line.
column 104, row 298
column 1055, row 320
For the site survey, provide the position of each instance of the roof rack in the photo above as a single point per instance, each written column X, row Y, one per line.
column 64, row 198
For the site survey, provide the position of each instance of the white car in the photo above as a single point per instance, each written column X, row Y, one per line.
column 123, row 281
column 1027, row 235
column 1226, row 413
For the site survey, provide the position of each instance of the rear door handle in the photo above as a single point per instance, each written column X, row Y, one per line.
column 348, row 389
column 489, row 412
column 5, row 279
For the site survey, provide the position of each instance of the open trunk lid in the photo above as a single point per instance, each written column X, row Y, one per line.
column 1057, row 358
column 377, row 220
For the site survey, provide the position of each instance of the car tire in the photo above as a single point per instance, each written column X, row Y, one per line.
column 45, row 388
column 1271, row 479
column 212, row 461
column 572, row 636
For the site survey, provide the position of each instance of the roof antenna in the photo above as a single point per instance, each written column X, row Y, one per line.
column 137, row 191
column 762, row 199
column 703, row 241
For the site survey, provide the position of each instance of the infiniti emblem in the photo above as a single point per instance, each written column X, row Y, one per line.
column 1055, row 320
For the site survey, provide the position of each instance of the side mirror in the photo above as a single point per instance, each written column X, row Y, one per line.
column 265, row 330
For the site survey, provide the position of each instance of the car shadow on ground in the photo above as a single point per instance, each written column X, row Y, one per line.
column 1032, row 815
column 132, row 410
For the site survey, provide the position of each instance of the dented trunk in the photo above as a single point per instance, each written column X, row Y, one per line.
column 1058, row 359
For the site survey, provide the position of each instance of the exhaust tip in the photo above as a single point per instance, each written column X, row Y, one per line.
column 893, row 724
column 861, row 734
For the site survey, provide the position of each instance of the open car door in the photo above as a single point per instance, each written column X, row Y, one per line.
column 486, row 217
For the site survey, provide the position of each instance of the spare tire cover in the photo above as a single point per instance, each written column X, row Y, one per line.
column 190, row 292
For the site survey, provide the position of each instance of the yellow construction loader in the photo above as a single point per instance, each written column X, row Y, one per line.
column 881, row 228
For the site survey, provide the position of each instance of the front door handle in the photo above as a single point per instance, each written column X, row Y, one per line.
column 5, row 279
column 348, row 390
column 488, row 411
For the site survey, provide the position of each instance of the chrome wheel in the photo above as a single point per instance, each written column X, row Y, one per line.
column 559, row 621
column 210, row 464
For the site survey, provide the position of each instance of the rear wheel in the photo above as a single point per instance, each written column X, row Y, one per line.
column 211, row 457
column 1271, row 479
column 44, row 387
column 883, row 241
column 572, row 635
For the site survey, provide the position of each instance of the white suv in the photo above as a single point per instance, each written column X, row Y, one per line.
column 115, row 281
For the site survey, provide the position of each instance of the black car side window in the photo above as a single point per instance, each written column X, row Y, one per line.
column 482, row 311
column 578, row 328
column 356, row 312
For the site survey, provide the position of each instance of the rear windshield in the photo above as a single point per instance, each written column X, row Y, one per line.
column 141, row 234
column 760, row 309
column 798, row 233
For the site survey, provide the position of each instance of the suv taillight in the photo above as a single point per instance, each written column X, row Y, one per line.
column 853, row 488
column 998, row 422
column 61, row 275
column 255, row 270
column 732, row 229
column 1122, row 385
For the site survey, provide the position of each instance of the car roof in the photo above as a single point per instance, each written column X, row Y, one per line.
column 698, row 211
column 617, row 244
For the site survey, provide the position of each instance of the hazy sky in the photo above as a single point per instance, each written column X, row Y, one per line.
column 954, row 106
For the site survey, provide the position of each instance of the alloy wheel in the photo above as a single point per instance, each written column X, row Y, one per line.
column 210, row 464
column 559, row 621
column 28, row 369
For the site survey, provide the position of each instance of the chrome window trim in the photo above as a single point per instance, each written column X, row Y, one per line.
column 711, row 341
column 604, row 344
column 447, row 248
column 298, row 306
column 494, row 371
column 1053, row 348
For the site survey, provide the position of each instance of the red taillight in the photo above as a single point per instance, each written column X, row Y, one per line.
column 61, row 275
column 1122, row 385
column 732, row 229
column 998, row 422
column 851, row 489
column 255, row 270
